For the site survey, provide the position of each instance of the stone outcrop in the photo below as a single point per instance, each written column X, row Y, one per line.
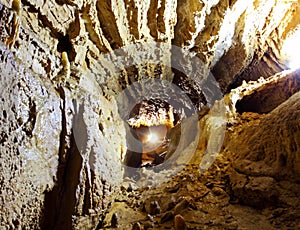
column 282, row 86
column 233, row 38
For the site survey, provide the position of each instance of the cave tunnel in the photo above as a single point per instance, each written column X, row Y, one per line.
column 154, row 114
column 150, row 123
column 259, row 101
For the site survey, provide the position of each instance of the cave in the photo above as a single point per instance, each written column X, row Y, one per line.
column 154, row 114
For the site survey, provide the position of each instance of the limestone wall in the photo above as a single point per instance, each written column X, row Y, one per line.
column 62, row 139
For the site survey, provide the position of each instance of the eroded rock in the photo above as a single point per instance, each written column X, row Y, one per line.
column 62, row 141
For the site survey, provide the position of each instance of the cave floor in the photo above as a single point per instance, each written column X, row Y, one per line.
column 204, row 201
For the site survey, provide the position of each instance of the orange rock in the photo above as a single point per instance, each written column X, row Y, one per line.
column 179, row 223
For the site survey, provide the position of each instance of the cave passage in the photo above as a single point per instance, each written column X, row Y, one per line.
column 273, row 93
column 147, row 138
column 153, row 146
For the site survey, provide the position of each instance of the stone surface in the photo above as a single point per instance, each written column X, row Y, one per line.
column 179, row 223
column 283, row 85
column 30, row 138
column 240, row 189
column 62, row 139
column 50, row 173
column 270, row 144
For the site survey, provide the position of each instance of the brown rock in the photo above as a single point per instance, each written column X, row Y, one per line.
column 254, row 191
column 154, row 208
column 148, row 224
column 179, row 223
column 180, row 206
column 137, row 226
column 218, row 191
column 166, row 217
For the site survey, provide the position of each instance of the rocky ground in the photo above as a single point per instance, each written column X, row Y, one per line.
column 234, row 193
column 195, row 201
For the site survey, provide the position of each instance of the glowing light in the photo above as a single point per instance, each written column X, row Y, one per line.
column 291, row 50
column 152, row 138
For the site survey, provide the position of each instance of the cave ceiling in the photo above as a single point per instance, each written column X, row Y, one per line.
column 236, row 40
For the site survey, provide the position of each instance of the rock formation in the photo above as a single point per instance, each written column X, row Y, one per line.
column 64, row 65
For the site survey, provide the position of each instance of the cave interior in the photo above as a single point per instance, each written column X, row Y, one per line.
column 155, row 114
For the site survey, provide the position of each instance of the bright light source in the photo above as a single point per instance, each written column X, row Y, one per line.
column 291, row 49
column 152, row 138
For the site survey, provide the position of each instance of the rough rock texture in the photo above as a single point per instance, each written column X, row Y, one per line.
column 225, row 35
column 258, row 99
column 62, row 139
column 30, row 140
column 59, row 153
column 250, row 185
column 274, row 155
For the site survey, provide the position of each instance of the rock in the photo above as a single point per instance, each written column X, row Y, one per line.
column 172, row 203
column 237, row 183
column 166, row 217
column 269, row 146
column 218, row 191
column 179, row 223
column 148, row 224
column 180, row 206
column 184, row 203
column 128, row 186
column 173, row 188
column 254, row 191
column 191, row 203
column 154, row 208
column 167, row 202
column 137, row 226
column 190, row 188
column 260, row 192
column 114, row 220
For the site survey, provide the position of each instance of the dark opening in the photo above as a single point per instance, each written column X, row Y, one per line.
column 271, row 95
column 65, row 45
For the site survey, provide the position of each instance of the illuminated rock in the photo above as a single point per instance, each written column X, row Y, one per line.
column 62, row 139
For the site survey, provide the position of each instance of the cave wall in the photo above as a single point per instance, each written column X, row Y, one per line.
column 30, row 138
column 275, row 155
column 61, row 143
column 268, row 94
column 60, row 153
